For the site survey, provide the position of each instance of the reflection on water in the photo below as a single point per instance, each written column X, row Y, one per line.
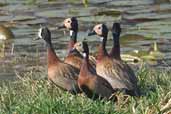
column 144, row 22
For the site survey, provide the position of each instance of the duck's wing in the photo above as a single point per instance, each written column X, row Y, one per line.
column 66, row 77
column 103, row 87
column 116, row 74
column 127, row 75
column 130, row 72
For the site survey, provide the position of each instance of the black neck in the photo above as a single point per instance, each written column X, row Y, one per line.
column 102, row 49
column 73, row 40
column 86, row 57
column 85, row 63
column 73, row 35
column 52, row 57
column 103, row 44
column 116, row 40
column 115, row 52
column 49, row 44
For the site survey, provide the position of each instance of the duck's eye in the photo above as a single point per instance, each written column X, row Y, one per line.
column 99, row 27
column 68, row 21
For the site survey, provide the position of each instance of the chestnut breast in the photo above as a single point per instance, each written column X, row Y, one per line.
column 87, row 80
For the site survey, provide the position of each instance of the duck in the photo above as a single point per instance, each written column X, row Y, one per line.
column 90, row 82
column 63, row 75
column 74, row 56
column 113, row 70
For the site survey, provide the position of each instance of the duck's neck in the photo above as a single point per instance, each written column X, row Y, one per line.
column 115, row 52
column 102, row 49
column 85, row 65
column 52, row 57
column 73, row 39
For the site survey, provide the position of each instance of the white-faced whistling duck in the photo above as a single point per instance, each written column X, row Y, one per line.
column 73, row 58
column 89, row 82
column 114, row 71
column 63, row 75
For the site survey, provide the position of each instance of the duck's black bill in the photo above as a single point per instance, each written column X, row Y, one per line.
column 60, row 27
column 92, row 33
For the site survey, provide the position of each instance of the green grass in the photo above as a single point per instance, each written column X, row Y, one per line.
column 32, row 95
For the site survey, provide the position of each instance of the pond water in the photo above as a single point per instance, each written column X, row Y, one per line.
column 143, row 23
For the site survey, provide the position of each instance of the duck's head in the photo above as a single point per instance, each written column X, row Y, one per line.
column 44, row 33
column 70, row 24
column 78, row 46
column 99, row 30
column 116, row 29
column 81, row 47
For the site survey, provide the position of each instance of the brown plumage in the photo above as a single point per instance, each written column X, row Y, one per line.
column 117, row 73
column 74, row 57
column 90, row 83
column 63, row 75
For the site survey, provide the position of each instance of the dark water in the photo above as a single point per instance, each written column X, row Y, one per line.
column 143, row 23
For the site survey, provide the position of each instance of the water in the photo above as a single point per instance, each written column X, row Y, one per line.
column 143, row 23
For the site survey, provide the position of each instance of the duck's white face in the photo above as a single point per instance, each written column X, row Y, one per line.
column 40, row 33
column 67, row 23
column 78, row 46
column 98, row 29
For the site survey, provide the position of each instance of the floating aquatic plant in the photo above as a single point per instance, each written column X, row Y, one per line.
column 154, row 53
column 85, row 3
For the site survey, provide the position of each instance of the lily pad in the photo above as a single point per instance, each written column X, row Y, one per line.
column 138, row 53
column 133, row 37
column 3, row 4
column 112, row 13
